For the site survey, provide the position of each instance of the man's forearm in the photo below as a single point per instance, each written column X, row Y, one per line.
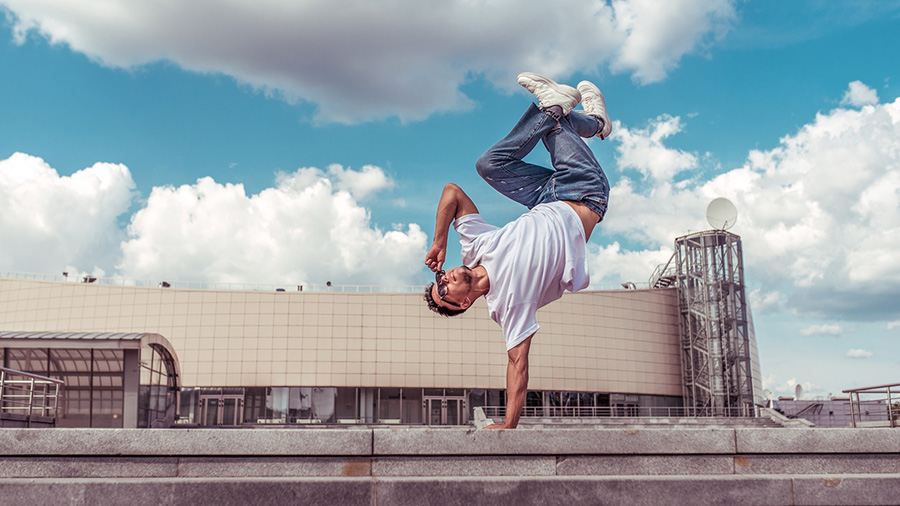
column 446, row 212
column 516, row 383
column 516, row 391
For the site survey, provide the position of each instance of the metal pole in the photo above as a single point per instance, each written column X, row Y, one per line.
column 55, row 403
column 30, row 401
column 890, row 408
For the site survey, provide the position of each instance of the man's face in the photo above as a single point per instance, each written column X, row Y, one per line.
column 455, row 286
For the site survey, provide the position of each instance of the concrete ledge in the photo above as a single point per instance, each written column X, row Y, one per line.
column 274, row 466
column 171, row 492
column 465, row 466
column 657, row 465
column 818, row 464
column 448, row 465
column 763, row 490
column 424, row 441
column 858, row 490
column 586, row 490
column 434, row 442
column 818, row 441
column 185, row 442
column 463, row 491
column 94, row 467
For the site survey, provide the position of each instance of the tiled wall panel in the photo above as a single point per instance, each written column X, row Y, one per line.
column 605, row 341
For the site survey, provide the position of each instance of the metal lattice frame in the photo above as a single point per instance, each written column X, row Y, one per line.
column 714, row 323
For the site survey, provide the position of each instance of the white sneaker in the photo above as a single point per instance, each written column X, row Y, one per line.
column 593, row 103
column 549, row 92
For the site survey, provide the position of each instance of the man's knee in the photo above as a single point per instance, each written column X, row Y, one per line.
column 485, row 165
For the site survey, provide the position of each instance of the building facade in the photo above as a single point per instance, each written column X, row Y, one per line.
column 299, row 356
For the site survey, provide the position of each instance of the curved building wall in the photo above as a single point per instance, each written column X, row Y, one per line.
column 603, row 341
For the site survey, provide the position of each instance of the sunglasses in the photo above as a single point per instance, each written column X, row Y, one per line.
column 442, row 288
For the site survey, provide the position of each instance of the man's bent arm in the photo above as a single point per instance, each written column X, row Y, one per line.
column 516, row 384
column 454, row 204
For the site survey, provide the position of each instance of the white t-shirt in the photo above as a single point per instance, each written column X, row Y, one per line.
column 530, row 262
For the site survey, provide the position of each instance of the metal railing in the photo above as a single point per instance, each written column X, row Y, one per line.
column 248, row 287
column 29, row 395
column 662, row 270
column 873, row 399
column 622, row 412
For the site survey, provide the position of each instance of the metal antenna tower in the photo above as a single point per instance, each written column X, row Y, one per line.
column 715, row 324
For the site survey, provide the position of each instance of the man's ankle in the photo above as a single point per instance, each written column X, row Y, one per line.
column 556, row 112
column 600, row 124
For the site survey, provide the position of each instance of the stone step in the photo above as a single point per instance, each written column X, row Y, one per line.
column 449, row 441
column 774, row 490
column 262, row 466
column 450, row 466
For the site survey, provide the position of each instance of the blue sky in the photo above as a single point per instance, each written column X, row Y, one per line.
column 278, row 142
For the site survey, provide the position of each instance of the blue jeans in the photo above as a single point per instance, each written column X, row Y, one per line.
column 575, row 176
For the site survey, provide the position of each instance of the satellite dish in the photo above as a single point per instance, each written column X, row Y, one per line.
column 767, row 394
column 721, row 214
column 798, row 393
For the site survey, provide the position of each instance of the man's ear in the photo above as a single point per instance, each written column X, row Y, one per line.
column 466, row 303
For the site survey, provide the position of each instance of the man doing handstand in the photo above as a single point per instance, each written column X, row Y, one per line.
column 531, row 261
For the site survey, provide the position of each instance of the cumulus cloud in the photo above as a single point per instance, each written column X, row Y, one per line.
column 818, row 213
column 51, row 223
column 361, row 184
column 361, row 61
column 762, row 302
column 611, row 265
column 643, row 150
column 309, row 228
column 822, row 330
column 657, row 34
column 858, row 95
column 859, row 353
column 789, row 387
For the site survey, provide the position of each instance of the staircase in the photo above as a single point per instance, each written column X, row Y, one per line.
column 664, row 275
column 450, row 466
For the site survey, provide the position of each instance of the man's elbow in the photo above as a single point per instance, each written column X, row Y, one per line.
column 452, row 187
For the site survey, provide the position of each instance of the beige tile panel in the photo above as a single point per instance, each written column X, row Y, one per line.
column 617, row 341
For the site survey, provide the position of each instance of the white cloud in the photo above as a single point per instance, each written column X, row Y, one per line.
column 858, row 353
column 307, row 229
column 50, row 223
column 643, row 150
column 361, row 184
column 822, row 330
column 818, row 214
column 610, row 266
column 893, row 325
column 789, row 388
column 858, row 95
column 368, row 60
column 658, row 33
column 762, row 302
